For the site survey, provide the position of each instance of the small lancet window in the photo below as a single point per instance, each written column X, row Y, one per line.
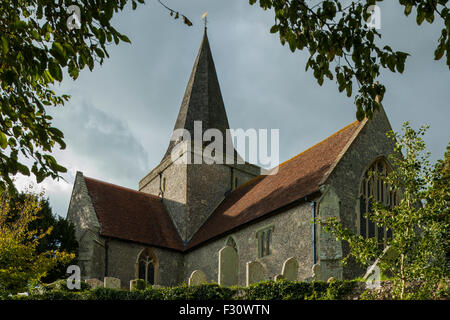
column 264, row 241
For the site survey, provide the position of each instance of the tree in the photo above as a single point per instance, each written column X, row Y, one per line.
column 38, row 41
column 20, row 261
column 336, row 35
column 419, row 222
column 61, row 237
column 440, row 191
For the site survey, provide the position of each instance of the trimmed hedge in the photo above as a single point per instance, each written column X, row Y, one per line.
column 293, row 290
column 270, row 290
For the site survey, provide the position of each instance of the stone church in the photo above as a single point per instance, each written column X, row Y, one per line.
column 228, row 223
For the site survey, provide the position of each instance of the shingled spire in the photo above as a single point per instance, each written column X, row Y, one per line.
column 202, row 100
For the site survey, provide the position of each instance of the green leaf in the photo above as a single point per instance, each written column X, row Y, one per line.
column 20, row 25
column 58, row 52
column 420, row 17
column 23, row 169
column 73, row 70
column 187, row 21
column 55, row 70
column 360, row 114
column 349, row 89
column 5, row 47
column 99, row 52
column 3, row 140
column 439, row 52
column 391, row 62
column 124, row 38
column 408, row 9
column 400, row 66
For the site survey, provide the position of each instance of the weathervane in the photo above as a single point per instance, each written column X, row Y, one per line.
column 204, row 17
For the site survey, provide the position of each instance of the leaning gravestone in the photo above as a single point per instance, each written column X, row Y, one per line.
column 197, row 277
column 228, row 266
column 112, row 283
column 254, row 272
column 290, row 269
column 94, row 283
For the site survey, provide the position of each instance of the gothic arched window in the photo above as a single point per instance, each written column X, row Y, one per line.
column 374, row 189
column 146, row 266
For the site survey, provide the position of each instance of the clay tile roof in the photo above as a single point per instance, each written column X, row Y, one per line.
column 132, row 215
column 296, row 178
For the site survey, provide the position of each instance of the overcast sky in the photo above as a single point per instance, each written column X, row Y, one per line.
column 119, row 120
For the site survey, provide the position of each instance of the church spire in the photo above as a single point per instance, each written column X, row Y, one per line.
column 202, row 100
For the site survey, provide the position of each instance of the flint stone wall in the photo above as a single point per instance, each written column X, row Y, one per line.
column 292, row 237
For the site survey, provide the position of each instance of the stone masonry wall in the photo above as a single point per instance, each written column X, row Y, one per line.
column 206, row 188
column 174, row 193
column 292, row 237
column 82, row 214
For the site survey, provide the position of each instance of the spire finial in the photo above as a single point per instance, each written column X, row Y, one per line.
column 204, row 17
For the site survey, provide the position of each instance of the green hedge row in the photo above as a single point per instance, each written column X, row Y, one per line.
column 270, row 290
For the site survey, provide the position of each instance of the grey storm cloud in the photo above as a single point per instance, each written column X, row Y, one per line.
column 104, row 140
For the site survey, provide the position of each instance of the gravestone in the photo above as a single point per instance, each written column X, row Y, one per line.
column 290, row 269
column 228, row 266
column 138, row 284
column 94, row 283
column 197, row 277
column 254, row 272
column 278, row 277
column 112, row 283
column 316, row 270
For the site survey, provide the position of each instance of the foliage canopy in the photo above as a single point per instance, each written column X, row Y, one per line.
column 342, row 46
column 36, row 47
column 20, row 261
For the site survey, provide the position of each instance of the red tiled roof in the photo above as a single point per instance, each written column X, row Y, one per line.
column 132, row 215
column 296, row 178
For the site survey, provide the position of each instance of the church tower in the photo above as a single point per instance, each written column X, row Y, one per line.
column 192, row 190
